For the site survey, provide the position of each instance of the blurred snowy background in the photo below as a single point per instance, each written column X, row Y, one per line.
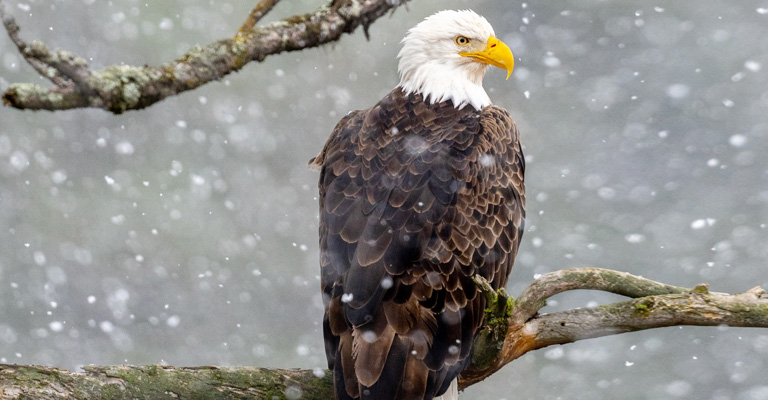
column 186, row 233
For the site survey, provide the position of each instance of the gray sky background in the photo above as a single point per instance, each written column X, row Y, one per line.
column 186, row 233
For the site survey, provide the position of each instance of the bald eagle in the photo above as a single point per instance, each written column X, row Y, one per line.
column 418, row 194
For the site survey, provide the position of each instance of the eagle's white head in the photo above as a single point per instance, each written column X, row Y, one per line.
column 446, row 56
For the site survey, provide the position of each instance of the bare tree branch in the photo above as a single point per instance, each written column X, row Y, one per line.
column 119, row 88
column 535, row 296
column 749, row 309
column 653, row 305
column 162, row 382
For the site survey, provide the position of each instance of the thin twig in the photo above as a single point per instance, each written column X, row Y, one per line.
column 258, row 12
column 34, row 53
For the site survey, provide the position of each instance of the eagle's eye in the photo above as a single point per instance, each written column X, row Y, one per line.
column 462, row 40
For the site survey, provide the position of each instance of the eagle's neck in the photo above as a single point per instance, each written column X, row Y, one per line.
column 458, row 80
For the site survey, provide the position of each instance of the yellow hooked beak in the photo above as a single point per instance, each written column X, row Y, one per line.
column 496, row 53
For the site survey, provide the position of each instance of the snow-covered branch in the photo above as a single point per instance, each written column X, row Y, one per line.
column 653, row 305
column 119, row 88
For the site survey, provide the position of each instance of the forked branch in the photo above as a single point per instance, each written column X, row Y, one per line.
column 653, row 305
column 119, row 88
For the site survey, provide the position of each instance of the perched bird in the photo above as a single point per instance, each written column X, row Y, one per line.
column 418, row 194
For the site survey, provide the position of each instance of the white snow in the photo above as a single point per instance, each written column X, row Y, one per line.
column 737, row 140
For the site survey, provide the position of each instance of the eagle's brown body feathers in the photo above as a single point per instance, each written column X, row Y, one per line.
column 415, row 199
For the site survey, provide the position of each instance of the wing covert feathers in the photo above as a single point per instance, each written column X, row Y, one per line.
column 415, row 199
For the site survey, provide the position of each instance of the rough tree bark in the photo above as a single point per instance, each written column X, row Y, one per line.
column 512, row 328
column 119, row 88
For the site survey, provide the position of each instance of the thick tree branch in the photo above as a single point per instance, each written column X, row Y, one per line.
column 160, row 382
column 119, row 88
column 522, row 329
